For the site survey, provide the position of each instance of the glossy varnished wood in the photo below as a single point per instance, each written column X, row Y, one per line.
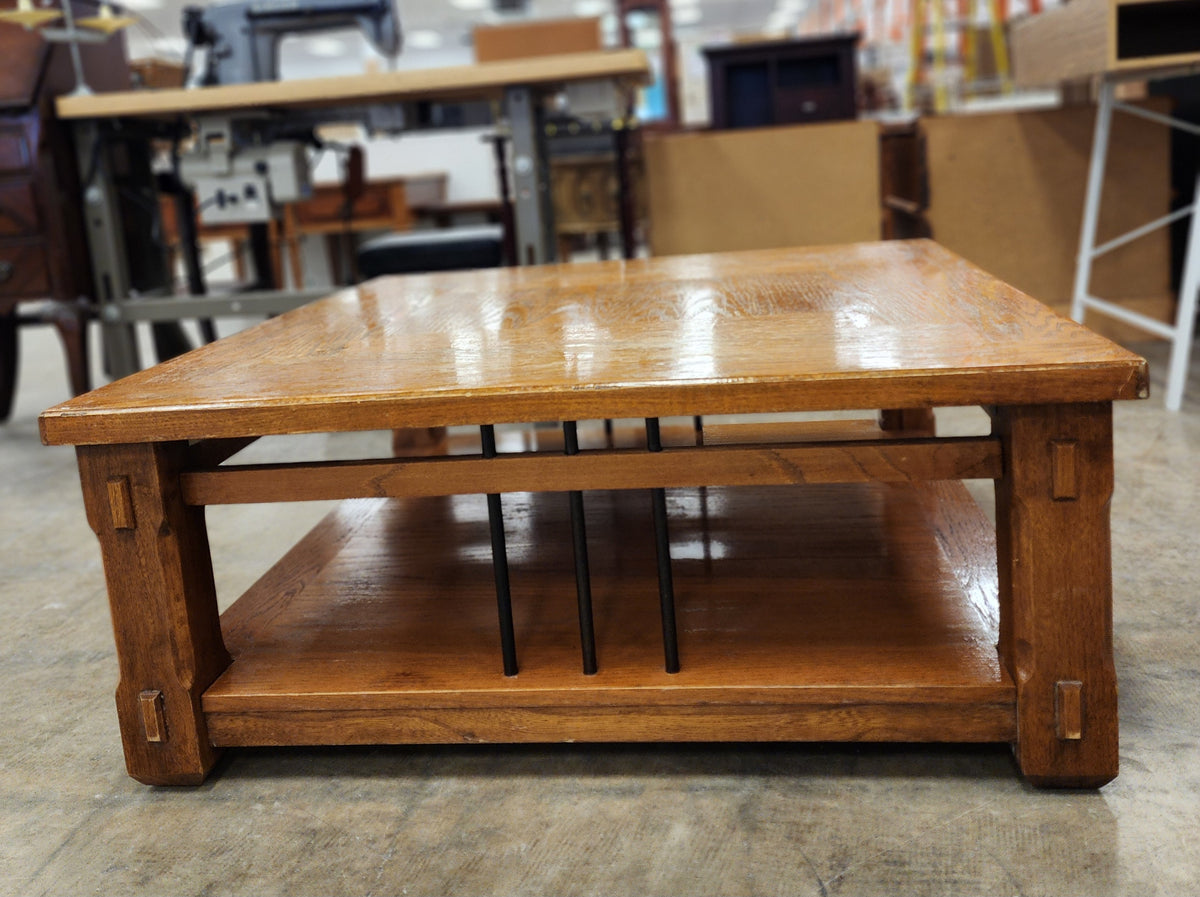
column 891, row 461
column 872, row 618
column 886, row 325
column 868, row 600
column 163, row 602
column 1055, row 575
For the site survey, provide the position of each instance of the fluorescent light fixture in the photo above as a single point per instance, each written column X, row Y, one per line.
column 686, row 15
column 471, row 5
column 423, row 39
column 27, row 16
column 142, row 5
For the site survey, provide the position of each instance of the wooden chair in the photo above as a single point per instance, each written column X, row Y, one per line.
column 45, row 277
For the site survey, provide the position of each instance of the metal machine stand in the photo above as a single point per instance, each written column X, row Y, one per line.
column 1180, row 333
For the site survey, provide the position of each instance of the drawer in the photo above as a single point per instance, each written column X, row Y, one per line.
column 23, row 270
column 15, row 154
column 18, row 209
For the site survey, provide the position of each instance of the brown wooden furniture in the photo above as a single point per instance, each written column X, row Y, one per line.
column 1092, row 37
column 380, row 206
column 44, row 275
column 869, row 601
column 781, row 82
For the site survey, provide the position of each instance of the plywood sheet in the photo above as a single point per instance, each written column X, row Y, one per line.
column 1006, row 191
column 763, row 188
column 543, row 38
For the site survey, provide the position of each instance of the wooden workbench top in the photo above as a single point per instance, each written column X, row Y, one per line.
column 481, row 81
column 875, row 325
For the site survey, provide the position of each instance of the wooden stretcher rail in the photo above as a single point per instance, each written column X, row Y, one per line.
column 211, row 452
column 888, row 460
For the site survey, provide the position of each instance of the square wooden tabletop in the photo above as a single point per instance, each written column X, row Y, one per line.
column 878, row 325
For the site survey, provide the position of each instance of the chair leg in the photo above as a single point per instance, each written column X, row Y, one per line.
column 8, row 362
column 71, row 324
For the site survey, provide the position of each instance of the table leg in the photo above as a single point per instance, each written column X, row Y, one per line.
column 164, row 608
column 1055, row 577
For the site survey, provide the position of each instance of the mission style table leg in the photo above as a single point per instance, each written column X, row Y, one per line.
column 164, row 606
column 1055, row 578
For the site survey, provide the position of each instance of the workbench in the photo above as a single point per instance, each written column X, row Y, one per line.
column 750, row 579
column 102, row 121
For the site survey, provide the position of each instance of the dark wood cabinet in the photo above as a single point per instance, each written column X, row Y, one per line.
column 44, row 272
column 782, row 82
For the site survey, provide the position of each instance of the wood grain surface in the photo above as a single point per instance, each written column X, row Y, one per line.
column 874, row 618
column 482, row 81
column 874, row 325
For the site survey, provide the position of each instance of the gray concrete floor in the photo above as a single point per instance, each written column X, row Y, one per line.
column 574, row 819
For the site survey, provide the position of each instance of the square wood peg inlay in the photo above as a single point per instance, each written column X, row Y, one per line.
column 1064, row 478
column 1068, row 709
column 154, row 718
column 120, row 501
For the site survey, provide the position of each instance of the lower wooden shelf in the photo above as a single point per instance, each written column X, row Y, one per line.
column 858, row 612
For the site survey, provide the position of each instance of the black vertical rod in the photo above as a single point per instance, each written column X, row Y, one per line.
column 260, row 254
column 698, row 428
column 508, row 227
column 508, row 642
column 662, row 541
column 583, row 577
column 625, row 198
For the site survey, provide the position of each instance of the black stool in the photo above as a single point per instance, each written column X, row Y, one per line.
column 422, row 251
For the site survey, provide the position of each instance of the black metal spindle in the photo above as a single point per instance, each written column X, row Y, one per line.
column 508, row 642
column 662, row 542
column 698, row 427
column 583, row 577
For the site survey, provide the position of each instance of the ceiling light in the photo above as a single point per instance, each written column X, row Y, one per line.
column 106, row 20
column 28, row 17
column 142, row 5
column 423, row 39
column 686, row 15
column 471, row 5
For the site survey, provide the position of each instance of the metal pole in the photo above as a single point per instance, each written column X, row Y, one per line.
column 508, row 643
column 583, row 579
column 662, row 543
column 534, row 210
column 1185, row 314
column 1091, row 206
column 106, row 247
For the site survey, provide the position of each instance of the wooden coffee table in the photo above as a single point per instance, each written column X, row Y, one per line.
column 661, row 589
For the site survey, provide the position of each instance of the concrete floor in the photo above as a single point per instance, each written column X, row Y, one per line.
column 574, row 819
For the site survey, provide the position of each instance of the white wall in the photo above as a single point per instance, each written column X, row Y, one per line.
column 460, row 153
